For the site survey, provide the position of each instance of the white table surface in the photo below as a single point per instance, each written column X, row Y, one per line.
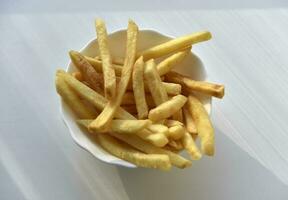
column 39, row 160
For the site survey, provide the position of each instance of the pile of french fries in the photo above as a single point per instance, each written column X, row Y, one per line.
column 140, row 111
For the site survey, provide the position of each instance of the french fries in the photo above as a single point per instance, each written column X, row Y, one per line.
column 122, row 126
column 99, row 102
column 174, row 45
column 189, row 122
column 102, row 121
column 148, row 113
column 87, row 71
column 212, row 89
column 154, row 83
column 191, row 147
column 166, row 65
column 167, row 108
column 108, row 70
column 97, row 64
column 203, row 125
column 73, row 100
column 138, row 89
column 123, row 151
column 146, row 147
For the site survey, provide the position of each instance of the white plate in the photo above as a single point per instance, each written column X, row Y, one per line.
column 190, row 66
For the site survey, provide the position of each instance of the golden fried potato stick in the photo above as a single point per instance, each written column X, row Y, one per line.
column 212, row 89
column 138, row 88
column 73, row 101
column 125, row 152
column 203, row 125
column 153, row 80
column 166, row 65
column 189, row 122
column 146, row 147
column 176, row 132
column 93, row 78
column 178, row 116
column 191, row 147
column 167, row 108
column 108, row 70
column 122, row 126
column 174, row 45
column 101, row 123
column 171, row 88
column 99, row 102
column 176, row 144
column 97, row 64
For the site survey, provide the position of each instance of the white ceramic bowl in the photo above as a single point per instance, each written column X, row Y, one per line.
column 190, row 66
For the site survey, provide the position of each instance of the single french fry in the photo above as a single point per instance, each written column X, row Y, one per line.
column 212, row 89
column 102, row 121
column 108, row 70
column 203, row 125
column 189, row 122
column 153, row 80
column 78, row 76
column 176, row 132
column 97, row 64
column 93, row 78
column 72, row 100
column 171, row 88
column 125, row 152
column 178, row 116
column 174, row 45
column 191, row 147
column 146, row 147
column 167, row 108
column 99, row 102
column 122, row 126
column 176, row 144
column 167, row 64
column 138, row 88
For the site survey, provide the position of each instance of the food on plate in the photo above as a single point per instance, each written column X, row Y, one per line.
column 167, row 108
column 102, row 121
column 174, row 45
column 190, row 85
column 203, row 125
column 107, row 68
column 137, row 107
column 138, row 89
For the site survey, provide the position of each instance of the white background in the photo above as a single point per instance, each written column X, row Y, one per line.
column 39, row 160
